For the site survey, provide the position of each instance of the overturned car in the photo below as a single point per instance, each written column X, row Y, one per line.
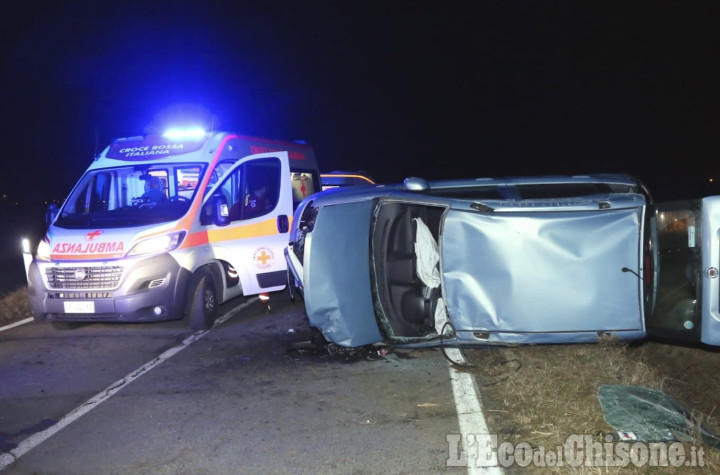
column 550, row 259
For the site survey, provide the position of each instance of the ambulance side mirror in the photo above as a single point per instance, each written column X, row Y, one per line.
column 216, row 211
column 50, row 213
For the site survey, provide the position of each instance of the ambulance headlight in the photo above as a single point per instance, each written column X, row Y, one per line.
column 157, row 244
column 43, row 250
column 25, row 245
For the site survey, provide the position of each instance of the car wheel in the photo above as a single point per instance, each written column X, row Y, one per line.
column 201, row 307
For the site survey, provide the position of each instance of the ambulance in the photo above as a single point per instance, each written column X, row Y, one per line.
column 170, row 226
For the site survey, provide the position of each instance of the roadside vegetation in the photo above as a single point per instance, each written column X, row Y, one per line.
column 14, row 306
column 544, row 394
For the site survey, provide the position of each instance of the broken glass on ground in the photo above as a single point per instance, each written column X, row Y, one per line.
column 651, row 415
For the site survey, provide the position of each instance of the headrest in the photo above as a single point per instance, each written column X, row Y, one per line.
column 153, row 183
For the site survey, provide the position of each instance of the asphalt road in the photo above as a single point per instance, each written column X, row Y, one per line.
column 247, row 396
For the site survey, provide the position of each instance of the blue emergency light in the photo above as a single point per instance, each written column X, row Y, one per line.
column 184, row 133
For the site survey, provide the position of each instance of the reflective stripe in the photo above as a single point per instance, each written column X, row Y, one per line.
column 195, row 239
column 86, row 257
column 244, row 231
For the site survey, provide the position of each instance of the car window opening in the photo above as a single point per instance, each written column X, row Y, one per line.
column 406, row 304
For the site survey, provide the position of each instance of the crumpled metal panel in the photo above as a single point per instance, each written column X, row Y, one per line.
column 337, row 272
column 543, row 272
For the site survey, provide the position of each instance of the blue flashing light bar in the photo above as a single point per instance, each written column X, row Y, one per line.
column 185, row 133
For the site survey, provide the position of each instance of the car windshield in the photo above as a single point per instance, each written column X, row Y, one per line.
column 130, row 196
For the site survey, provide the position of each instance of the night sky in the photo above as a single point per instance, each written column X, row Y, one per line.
column 439, row 89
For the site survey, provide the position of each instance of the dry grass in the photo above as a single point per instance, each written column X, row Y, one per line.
column 14, row 306
column 543, row 394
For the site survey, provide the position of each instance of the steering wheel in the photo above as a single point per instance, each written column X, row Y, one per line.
column 180, row 198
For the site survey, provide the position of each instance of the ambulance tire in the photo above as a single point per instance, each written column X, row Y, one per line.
column 66, row 325
column 201, row 307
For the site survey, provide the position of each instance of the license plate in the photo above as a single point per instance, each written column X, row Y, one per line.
column 79, row 307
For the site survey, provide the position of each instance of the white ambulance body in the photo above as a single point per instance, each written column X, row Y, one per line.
column 164, row 227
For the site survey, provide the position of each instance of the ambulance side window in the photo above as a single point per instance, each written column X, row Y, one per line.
column 303, row 185
column 215, row 175
column 253, row 189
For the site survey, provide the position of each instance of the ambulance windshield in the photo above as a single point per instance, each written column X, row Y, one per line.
column 131, row 196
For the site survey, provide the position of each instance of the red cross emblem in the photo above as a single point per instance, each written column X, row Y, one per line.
column 264, row 257
column 92, row 235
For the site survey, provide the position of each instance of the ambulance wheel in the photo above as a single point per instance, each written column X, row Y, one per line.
column 66, row 325
column 201, row 307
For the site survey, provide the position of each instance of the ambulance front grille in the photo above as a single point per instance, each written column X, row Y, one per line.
column 102, row 277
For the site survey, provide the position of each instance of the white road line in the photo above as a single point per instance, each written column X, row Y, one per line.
column 39, row 437
column 16, row 324
column 473, row 428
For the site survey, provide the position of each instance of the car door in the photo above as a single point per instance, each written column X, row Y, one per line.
column 258, row 194
column 687, row 257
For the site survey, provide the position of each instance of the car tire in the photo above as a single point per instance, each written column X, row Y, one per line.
column 291, row 285
column 201, row 307
column 292, row 288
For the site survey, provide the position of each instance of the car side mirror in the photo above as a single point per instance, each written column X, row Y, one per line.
column 215, row 211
